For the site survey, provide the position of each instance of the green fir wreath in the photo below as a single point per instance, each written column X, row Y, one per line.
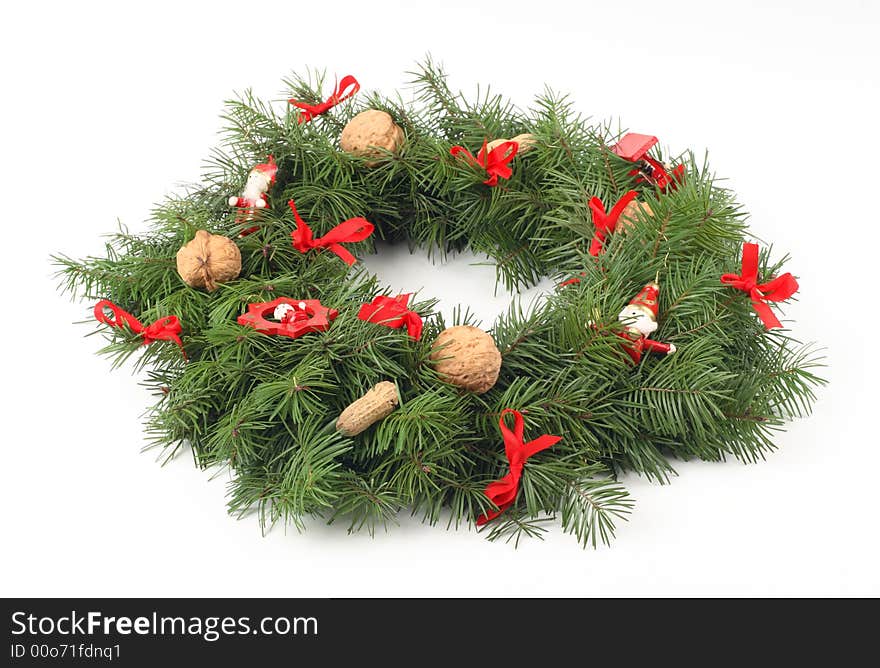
column 338, row 403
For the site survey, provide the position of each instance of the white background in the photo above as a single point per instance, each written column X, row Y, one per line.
column 107, row 107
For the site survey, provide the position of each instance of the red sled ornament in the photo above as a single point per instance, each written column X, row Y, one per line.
column 639, row 319
column 293, row 317
column 634, row 147
column 254, row 196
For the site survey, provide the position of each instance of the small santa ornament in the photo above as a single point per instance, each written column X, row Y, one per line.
column 639, row 319
column 261, row 178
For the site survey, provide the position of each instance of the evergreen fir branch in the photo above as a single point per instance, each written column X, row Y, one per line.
column 366, row 505
column 589, row 508
column 513, row 528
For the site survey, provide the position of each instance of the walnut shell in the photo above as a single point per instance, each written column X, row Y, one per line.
column 630, row 215
column 207, row 260
column 467, row 357
column 370, row 131
column 525, row 143
column 378, row 403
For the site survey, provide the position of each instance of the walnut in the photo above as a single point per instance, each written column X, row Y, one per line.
column 631, row 214
column 378, row 403
column 467, row 357
column 370, row 131
column 207, row 260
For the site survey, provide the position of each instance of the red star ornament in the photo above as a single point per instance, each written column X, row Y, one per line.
column 309, row 316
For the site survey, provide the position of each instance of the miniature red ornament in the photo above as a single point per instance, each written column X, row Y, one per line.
column 346, row 88
column 634, row 147
column 302, row 316
column 503, row 492
column 776, row 290
column 639, row 320
column 496, row 162
column 351, row 230
column 392, row 312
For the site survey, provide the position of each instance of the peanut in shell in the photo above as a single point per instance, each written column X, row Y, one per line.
column 378, row 403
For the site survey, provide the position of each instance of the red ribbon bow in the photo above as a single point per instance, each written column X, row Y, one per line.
column 606, row 222
column 496, row 162
column 392, row 313
column 349, row 231
column 503, row 492
column 309, row 111
column 164, row 329
column 776, row 290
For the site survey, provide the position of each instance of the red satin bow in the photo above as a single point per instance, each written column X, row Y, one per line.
column 392, row 313
column 164, row 329
column 776, row 290
column 309, row 111
column 496, row 162
column 503, row 492
column 351, row 230
column 606, row 222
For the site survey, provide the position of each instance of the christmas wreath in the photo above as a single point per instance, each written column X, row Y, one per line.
column 274, row 353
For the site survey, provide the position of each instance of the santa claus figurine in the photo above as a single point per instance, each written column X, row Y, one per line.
column 261, row 178
column 639, row 319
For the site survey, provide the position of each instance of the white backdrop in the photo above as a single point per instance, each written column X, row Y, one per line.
column 106, row 107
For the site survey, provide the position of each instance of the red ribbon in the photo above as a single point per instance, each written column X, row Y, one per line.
column 606, row 222
column 496, row 162
column 571, row 281
column 392, row 313
column 349, row 231
column 164, row 329
column 776, row 290
column 503, row 492
column 309, row 111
